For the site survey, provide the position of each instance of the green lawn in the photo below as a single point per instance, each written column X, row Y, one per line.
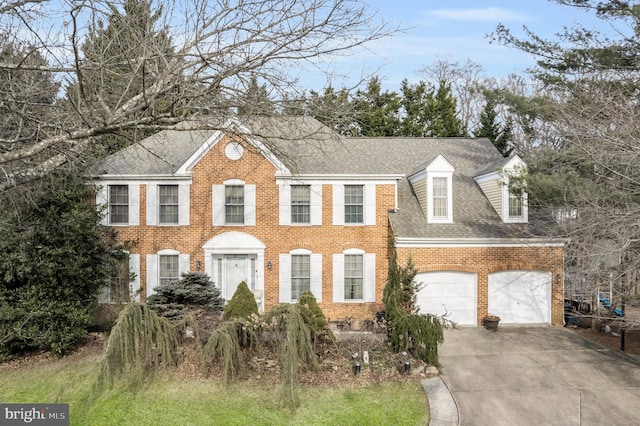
column 169, row 400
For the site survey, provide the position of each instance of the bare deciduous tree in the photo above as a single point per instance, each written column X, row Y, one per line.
column 218, row 46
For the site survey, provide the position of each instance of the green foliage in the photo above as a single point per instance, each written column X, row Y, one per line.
column 242, row 304
column 53, row 257
column 408, row 330
column 296, row 347
column 578, row 50
column 418, row 110
column 312, row 314
column 227, row 343
column 499, row 134
column 139, row 342
column 122, row 59
column 444, row 121
column 376, row 113
column 194, row 289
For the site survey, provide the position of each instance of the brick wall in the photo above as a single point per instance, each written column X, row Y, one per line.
column 485, row 260
column 253, row 168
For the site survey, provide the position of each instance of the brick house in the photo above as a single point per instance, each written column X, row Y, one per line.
column 287, row 205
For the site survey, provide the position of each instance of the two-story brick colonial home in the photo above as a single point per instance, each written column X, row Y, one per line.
column 287, row 205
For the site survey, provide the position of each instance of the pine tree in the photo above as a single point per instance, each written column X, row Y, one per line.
column 445, row 122
column 376, row 113
column 242, row 304
column 255, row 99
column 490, row 128
column 418, row 107
column 122, row 58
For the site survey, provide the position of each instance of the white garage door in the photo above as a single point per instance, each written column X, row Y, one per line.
column 448, row 292
column 520, row 297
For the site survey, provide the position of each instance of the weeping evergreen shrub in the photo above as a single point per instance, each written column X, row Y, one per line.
column 242, row 304
column 227, row 343
column 296, row 347
column 140, row 341
column 408, row 330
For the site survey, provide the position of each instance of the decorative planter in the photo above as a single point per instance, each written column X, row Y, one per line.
column 490, row 322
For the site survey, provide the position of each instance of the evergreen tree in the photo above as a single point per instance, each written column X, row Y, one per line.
column 445, row 122
column 333, row 108
column 121, row 59
column 418, row 108
column 194, row 290
column 491, row 129
column 255, row 100
column 53, row 257
column 376, row 113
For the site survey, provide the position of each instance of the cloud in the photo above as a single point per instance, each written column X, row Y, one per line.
column 478, row 15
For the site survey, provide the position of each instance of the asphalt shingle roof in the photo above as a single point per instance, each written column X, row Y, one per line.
column 307, row 147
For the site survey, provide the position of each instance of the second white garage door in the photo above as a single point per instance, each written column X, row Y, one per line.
column 448, row 292
column 520, row 297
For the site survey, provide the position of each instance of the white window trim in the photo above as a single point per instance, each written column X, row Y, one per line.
column 430, row 217
column 315, row 285
column 102, row 200
column 153, row 275
column 368, row 279
column 368, row 204
column 153, row 204
column 505, row 206
column 284, row 204
column 218, row 204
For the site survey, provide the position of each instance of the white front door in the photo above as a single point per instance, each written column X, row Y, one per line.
column 236, row 272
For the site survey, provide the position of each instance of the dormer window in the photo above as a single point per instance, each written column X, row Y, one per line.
column 439, row 204
column 440, row 198
column 514, row 205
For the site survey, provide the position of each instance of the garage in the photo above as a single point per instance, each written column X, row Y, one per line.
column 520, row 297
column 449, row 292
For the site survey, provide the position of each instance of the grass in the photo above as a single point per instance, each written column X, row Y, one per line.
column 167, row 399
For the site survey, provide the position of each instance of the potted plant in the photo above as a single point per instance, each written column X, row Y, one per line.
column 490, row 322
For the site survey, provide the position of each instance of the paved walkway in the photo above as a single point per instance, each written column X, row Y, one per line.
column 532, row 376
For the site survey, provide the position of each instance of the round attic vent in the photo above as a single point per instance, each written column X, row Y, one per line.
column 234, row 150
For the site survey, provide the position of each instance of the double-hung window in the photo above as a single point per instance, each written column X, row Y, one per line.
column 169, row 268
column 440, row 197
column 300, row 275
column 168, row 203
column 353, row 204
column 301, row 204
column 353, row 277
column 515, row 205
column 234, row 204
column 118, row 204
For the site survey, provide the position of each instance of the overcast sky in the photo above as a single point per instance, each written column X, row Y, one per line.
column 455, row 30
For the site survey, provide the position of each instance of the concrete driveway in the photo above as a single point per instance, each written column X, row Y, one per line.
column 538, row 376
